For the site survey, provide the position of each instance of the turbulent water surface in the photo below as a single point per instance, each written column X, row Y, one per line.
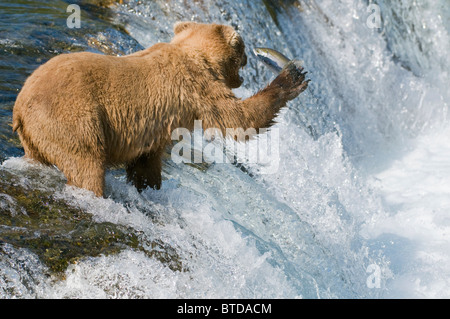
column 353, row 202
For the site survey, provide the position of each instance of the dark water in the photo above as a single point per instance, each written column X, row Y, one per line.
column 32, row 32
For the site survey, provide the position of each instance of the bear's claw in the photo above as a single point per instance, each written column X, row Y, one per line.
column 291, row 80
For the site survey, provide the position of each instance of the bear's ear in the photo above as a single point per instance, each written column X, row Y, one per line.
column 233, row 38
column 181, row 26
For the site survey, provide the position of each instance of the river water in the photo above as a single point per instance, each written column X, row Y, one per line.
column 353, row 203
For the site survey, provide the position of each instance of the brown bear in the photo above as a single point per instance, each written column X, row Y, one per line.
column 84, row 112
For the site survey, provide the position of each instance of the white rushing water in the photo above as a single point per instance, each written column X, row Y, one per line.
column 359, row 203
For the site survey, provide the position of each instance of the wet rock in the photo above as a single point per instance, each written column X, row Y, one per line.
column 60, row 234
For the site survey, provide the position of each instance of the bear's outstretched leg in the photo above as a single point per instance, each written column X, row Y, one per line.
column 259, row 110
column 145, row 171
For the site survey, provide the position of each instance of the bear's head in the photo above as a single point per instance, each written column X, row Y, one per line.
column 220, row 45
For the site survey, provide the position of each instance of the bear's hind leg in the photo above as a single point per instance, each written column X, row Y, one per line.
column 31, row 152
column 88, row 174
column 145, row 171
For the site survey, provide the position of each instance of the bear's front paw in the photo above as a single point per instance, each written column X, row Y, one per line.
column 291, row 80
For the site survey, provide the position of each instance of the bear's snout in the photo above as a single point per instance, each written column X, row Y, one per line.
column 244, row 60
